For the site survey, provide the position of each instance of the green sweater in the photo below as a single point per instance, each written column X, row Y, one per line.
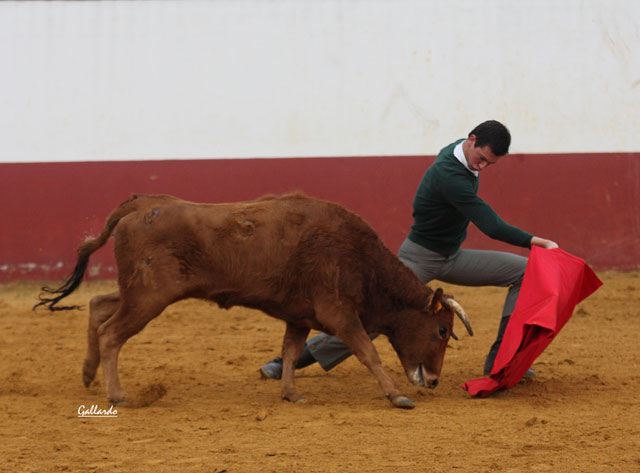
column 445, row 203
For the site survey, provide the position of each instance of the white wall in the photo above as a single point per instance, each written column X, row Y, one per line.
column 256, row 78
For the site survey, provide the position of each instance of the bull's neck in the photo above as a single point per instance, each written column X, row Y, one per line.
column 404, row 287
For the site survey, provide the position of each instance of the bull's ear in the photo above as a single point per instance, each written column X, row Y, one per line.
column 436, row 304
column 427, row 303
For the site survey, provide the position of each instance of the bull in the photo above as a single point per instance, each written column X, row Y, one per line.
column 311, row 263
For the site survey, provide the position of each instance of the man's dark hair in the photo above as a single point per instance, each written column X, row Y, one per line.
column 494, row 134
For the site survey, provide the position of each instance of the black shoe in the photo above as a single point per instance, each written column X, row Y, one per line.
column 272, row 370
column 529, row 373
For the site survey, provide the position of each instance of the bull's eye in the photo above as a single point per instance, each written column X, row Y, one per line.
column 443, row 332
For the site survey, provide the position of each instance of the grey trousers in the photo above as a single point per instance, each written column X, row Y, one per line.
column 464, row 268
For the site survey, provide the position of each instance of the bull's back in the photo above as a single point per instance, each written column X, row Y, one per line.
column 246, row 240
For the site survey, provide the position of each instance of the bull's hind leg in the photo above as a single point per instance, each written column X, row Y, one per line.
column 101, row 308
column 130, row 317
column 292, row 346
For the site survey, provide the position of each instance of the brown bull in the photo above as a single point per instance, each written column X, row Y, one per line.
column 308, row 262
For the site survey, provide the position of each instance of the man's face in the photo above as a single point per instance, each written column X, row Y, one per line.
column 479, row 157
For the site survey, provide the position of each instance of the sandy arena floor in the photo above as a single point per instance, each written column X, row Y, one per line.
column 204, row 408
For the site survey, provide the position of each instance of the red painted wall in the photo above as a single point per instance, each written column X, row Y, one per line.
column 588, row 203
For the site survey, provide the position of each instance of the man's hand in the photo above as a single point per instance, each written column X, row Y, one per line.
column 544, row 243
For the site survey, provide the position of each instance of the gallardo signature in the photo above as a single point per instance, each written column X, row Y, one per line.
column 95, row 411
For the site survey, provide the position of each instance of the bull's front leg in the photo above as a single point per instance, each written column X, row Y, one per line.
column 292, row 346
column 360, row 345
column 348, row 328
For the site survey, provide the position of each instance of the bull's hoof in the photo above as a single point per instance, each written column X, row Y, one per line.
column 86, row 380
column 118, row 402
column 88, row 375
column 402, row 402
column 294, row 398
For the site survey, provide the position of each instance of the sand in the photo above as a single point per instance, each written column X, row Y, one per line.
column 201, row 405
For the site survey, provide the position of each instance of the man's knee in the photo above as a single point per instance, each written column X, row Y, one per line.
column 518, row 266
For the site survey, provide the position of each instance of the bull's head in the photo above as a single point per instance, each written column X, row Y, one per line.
column 421, row 338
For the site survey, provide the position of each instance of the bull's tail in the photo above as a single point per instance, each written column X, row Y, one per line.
column 85, row 250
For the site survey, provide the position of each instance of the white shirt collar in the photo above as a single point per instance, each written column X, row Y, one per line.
column 458, row 153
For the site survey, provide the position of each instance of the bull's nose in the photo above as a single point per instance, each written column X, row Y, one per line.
column 433, row 384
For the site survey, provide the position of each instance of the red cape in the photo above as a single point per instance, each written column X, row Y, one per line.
column 554, row 283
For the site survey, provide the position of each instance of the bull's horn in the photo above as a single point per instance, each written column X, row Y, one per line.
column 457, row 308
